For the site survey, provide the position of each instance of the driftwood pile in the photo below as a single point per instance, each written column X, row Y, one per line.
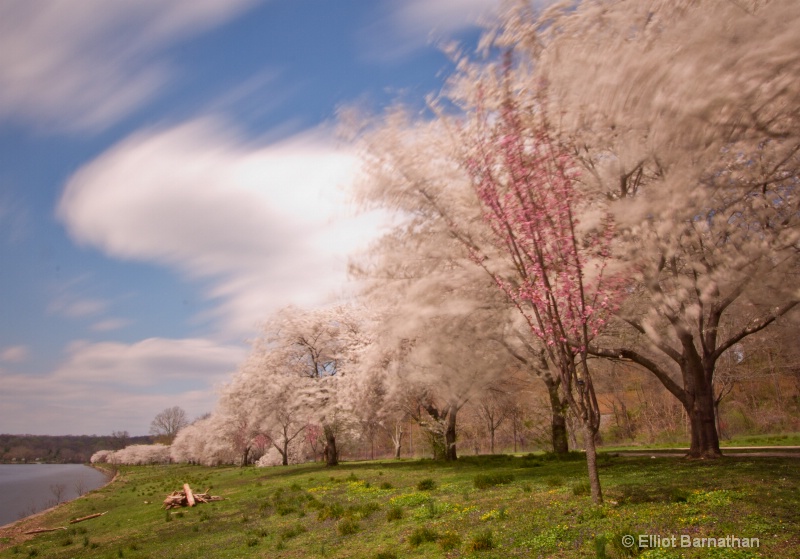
column 187, row 498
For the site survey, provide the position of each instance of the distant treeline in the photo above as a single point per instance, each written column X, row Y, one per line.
column 66, row 449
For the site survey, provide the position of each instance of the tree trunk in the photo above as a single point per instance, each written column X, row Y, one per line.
column 591, row 463
column 330, row 453
column 702, row 419
column 397, row 439
column 558, row 420
column 450, row 435
column 285, row 453
column 696, row 395
column 514, row 426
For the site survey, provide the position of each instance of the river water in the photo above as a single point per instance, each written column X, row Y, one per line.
column 26, row 489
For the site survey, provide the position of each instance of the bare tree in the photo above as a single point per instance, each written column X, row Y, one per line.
column 120, row 439
column 58, row 489
column 167, row 423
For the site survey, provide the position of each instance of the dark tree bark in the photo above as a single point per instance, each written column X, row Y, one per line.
column 444, row 444
column 450, row 434
column 558, row 418
column 330, row 453
column 537, row 365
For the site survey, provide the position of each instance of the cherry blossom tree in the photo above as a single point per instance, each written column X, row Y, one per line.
column 412, row 168
column 684, row 115
column 379, row 406
column 543, row 242
column 205, row 442
column 526, row 183
column 440, row 345
column 316, row 349
column 140, row 454
column 101, row 456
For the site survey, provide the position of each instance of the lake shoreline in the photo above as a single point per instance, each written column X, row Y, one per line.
column 111, row 475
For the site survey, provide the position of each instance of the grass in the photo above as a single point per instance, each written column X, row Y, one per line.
column 531, row 506
column 785, row 439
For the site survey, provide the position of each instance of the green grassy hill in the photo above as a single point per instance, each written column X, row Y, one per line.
column 488, row 507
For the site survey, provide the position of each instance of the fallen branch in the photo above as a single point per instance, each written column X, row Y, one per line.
column 43, row 530
column 87, row 517
column 188, row 492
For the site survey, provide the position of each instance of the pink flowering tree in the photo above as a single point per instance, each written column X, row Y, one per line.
column 527, row 185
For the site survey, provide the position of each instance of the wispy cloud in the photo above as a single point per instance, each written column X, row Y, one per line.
column 83, row 65
column 124, row 386
column 263, row 225
column 110, row 324
column 404, row 27
column 14, row 354
column 77, row 307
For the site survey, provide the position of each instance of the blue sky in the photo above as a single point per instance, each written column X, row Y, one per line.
column 170, row 174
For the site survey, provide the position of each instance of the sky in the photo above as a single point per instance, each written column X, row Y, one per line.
column 170, row 174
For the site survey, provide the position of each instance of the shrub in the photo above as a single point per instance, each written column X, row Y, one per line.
column 422, row 535
column 394, row 513
column 481, row 541
column 431, row 508
column 426, row 484
column 449, row 540
column 581, row 488
column 679, row 495
column 386, row 485
column 363, row 510
column 600, row 542
column 621, row 549
column 347, row 526
column 314, row 503
column 484, row 481
column 571, row 456
column 333, row 511
column 284, row 508
column 292, row 531
column 386, row 555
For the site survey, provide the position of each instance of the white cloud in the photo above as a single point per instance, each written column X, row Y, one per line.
column 73, row 298
column 14, row 354
column 412, row 24
column 446, row 16
column 266, row 224
column 111, row 386
column 150, row 363
column 83, row 65
column 110, row 324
